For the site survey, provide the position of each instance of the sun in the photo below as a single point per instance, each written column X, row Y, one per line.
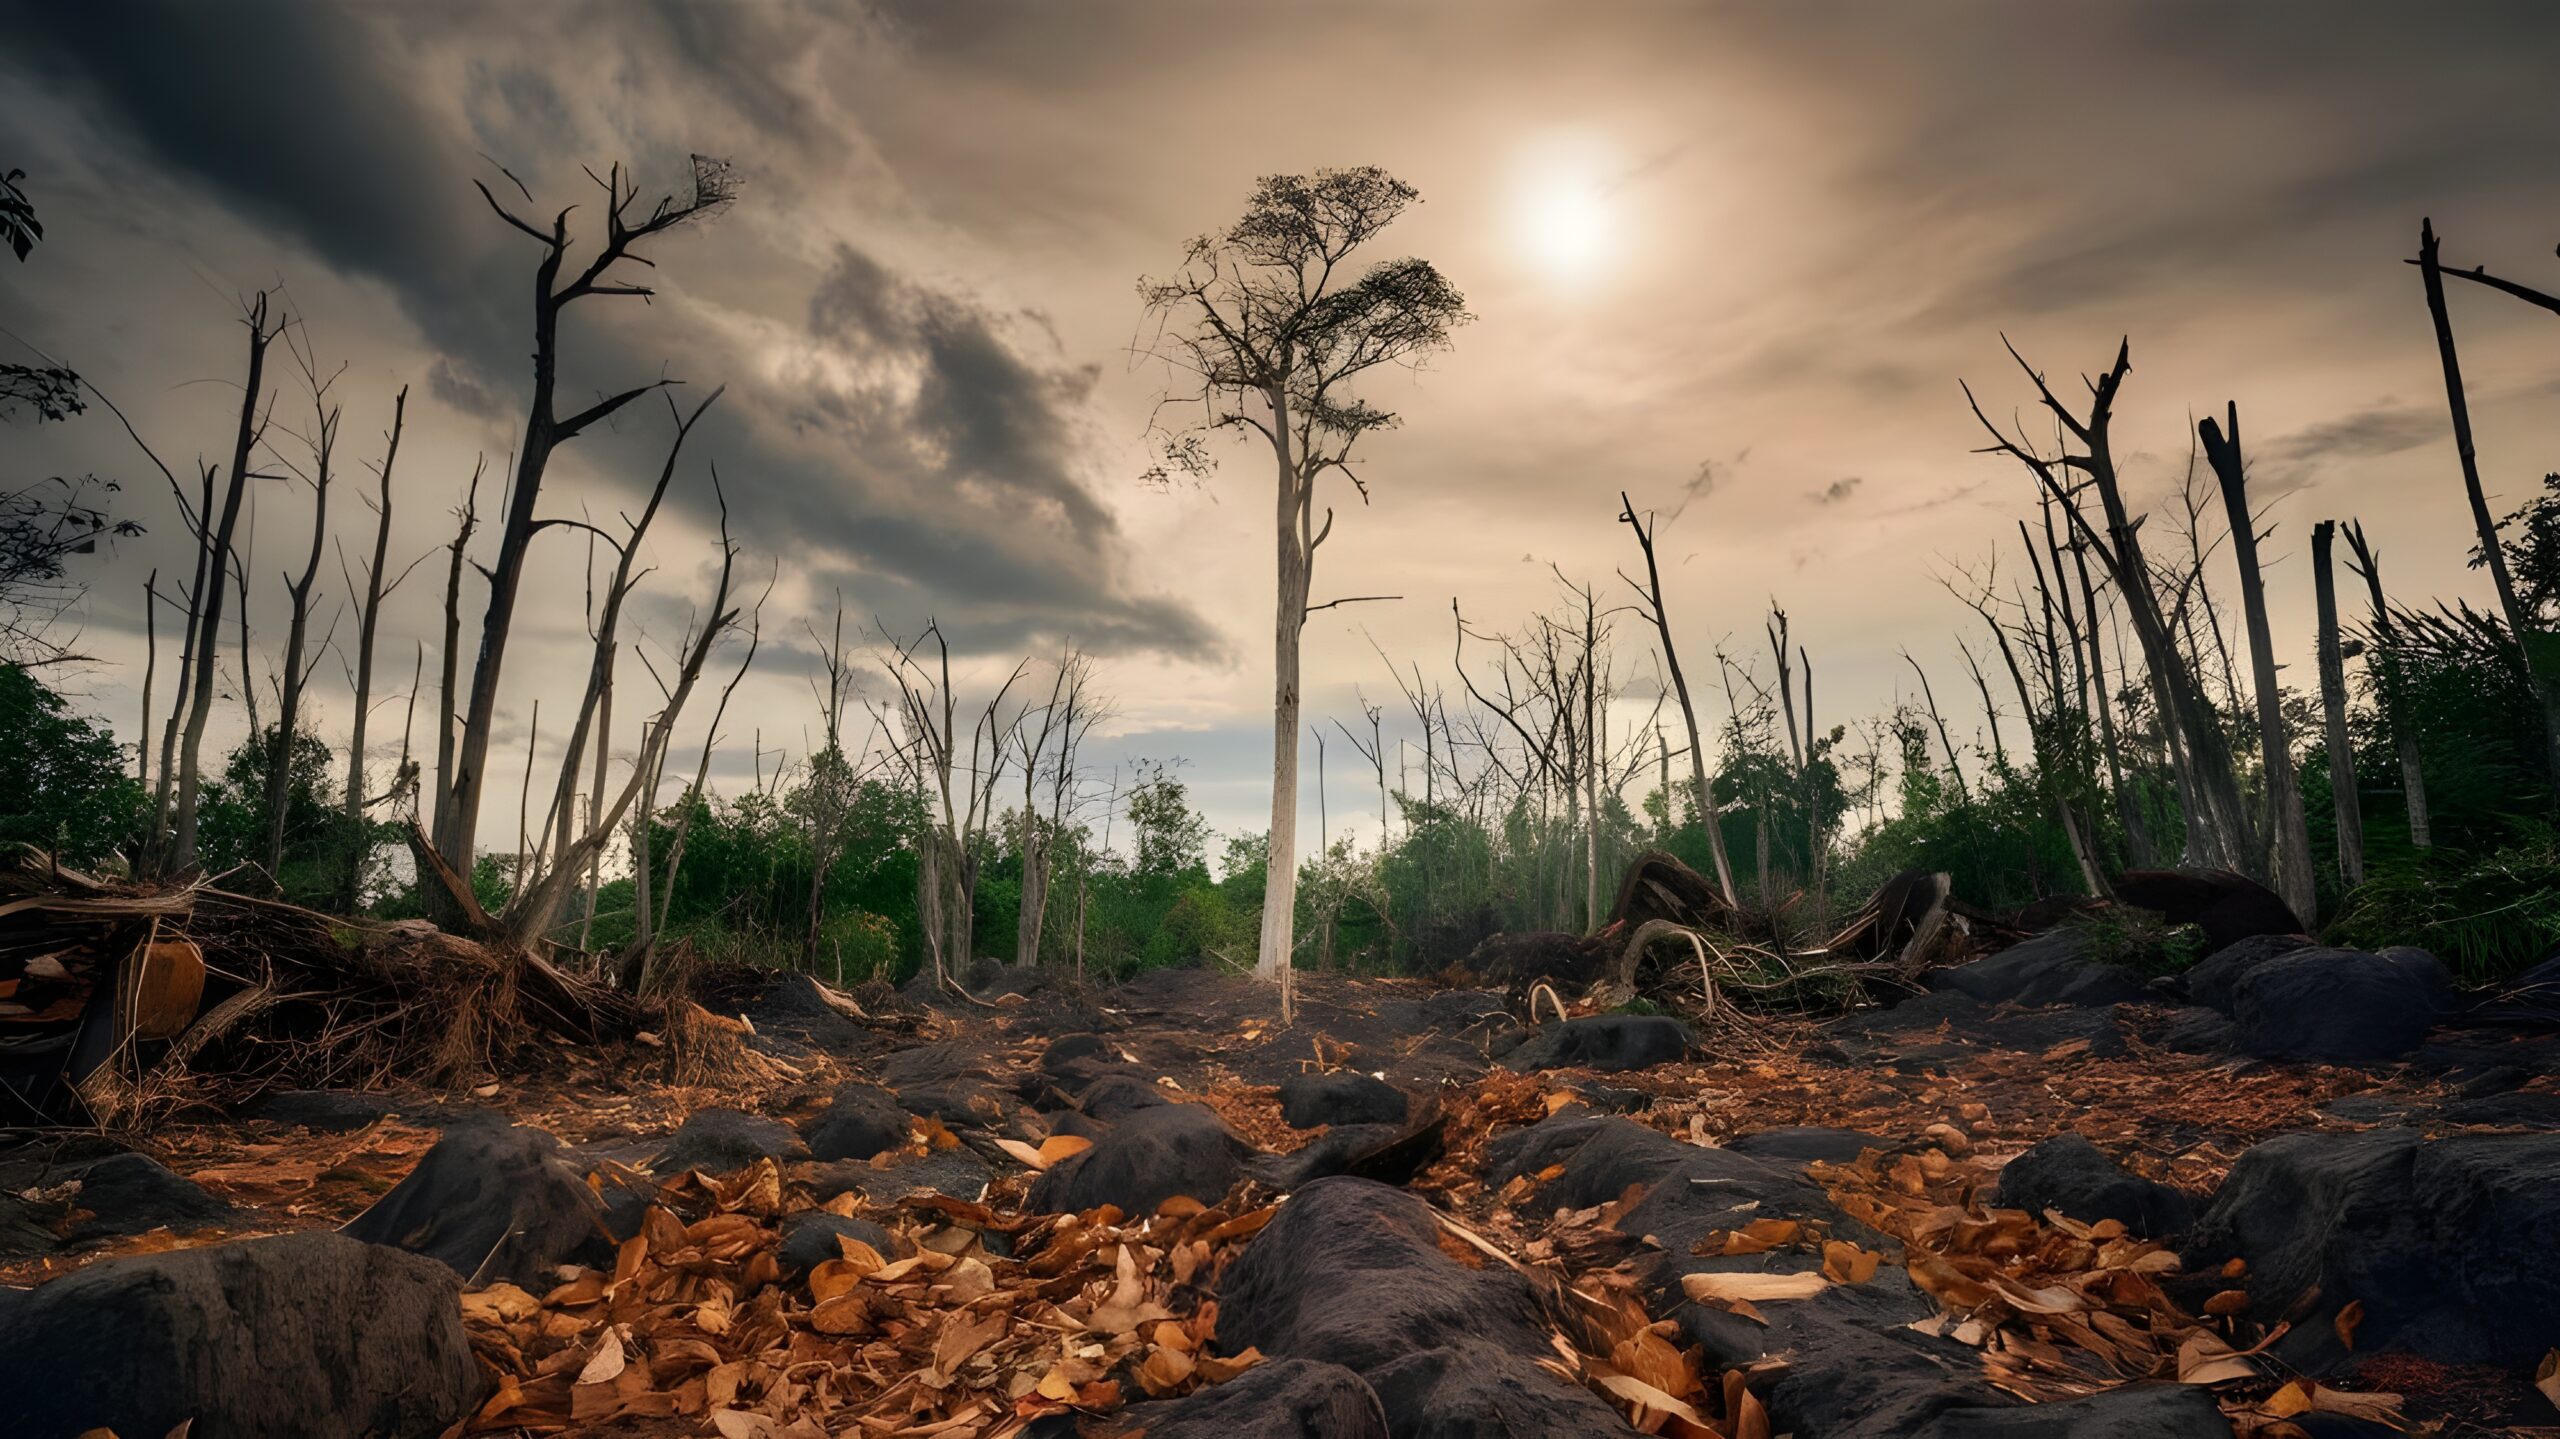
column 1563, row 218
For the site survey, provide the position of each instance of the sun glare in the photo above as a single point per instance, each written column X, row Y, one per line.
column 1562, row 212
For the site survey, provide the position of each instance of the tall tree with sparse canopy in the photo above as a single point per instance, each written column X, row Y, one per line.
column 1270, row 325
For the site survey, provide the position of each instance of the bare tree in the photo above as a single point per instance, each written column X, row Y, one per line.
column 2385, row 668
column 698, row 793
column 1702, row 790
column 2333, row 709
column 323, row 444
column 368, row 622
column 1069, row 716
column 205, row 600
column 2520, row 621
column 959, row 790
column 1277, row 330
column 2289, row 860
column 825, row 800
column 2219, row 831
column 457, row 807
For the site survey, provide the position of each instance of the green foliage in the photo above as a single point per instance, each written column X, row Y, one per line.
column 63, row 785
column 231, row 818
column 2140, row 941
column 2486, row 915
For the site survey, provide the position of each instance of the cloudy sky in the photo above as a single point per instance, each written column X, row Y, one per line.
column 1733, row 260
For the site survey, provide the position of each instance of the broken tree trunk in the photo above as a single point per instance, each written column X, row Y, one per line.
column 2333, row 709
column 2289, row 837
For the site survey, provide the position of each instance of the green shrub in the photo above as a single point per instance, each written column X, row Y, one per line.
column 2487, row 915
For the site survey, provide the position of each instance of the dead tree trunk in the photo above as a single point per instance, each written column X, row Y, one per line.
column 2524, row 626
column 1688, row 710
column 351, row 881
column 2333, row 706
column 457, row 808
column 2385, row 668
column 2219, row 829
column 297, row 666
column 204, row 642
column 2289, row 859
column 449, row 661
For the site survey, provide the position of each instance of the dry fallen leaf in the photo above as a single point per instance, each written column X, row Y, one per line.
column 2350, row 1315
column 1752, row 1287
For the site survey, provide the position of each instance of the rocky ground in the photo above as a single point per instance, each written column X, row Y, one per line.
column 2297, row 1192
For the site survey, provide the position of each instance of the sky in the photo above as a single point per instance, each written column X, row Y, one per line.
column 1732, row 260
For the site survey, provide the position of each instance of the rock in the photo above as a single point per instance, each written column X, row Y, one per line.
column 794, row 1008
column 1068, row 1049
column 2052, row 968
column 298, row 1336
column 1603, row 1041
column 2446, row 1243
column 492, row 1203
column 956, row 1173
column 809, row 1240
column 2070, row 1174
column 723, row 1141
column 2197, row 1030
column 2211, row 981
column 1688, row 1189
column 1516, row 960
column 1351, row 1273
column 1149, row 1156
column 1276, row 1399
column 135, row 1194
column 1115, row 1097
column 2228, row 907
column 2337, row 1004
column 1345, row 1096
column 63, row 1195
column 1806, row 1145
column 1387, row 1153
column 331, row 1111
column 860, row 1121
column 947, row 1082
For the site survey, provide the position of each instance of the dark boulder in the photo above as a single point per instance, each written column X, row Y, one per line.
column 1808, row 1145
column 723, row 1141
column 2444, row 1242
column 1688, row 1190
column 948, row 1082
column 1070, row 1049
column 63, row 1196
column 810, row 1238
column 793, row 1014
column 956, row 1173
column 492, row 1203
column 1115, row 1097
column 2211, row 981
column 2228, row 907
column 1352, row 1273
column 2052, row 968
column 1569, row 961
column 1345, row 1096
column 860, row 1121
column 2136, row 1411
column 1149, row 1156
column 298, row 1336
column 1603, row 1041
column 2069, row 1174
column 1278, row 1399
column 1387, row 1153
column 2339, row 1005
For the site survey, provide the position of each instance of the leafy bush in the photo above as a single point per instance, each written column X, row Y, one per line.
column 2486, row 916
column 63, row 785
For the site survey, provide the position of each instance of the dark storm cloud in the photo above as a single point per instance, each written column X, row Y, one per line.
column 292, row 116
column 948, row 478
column 975, row 414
